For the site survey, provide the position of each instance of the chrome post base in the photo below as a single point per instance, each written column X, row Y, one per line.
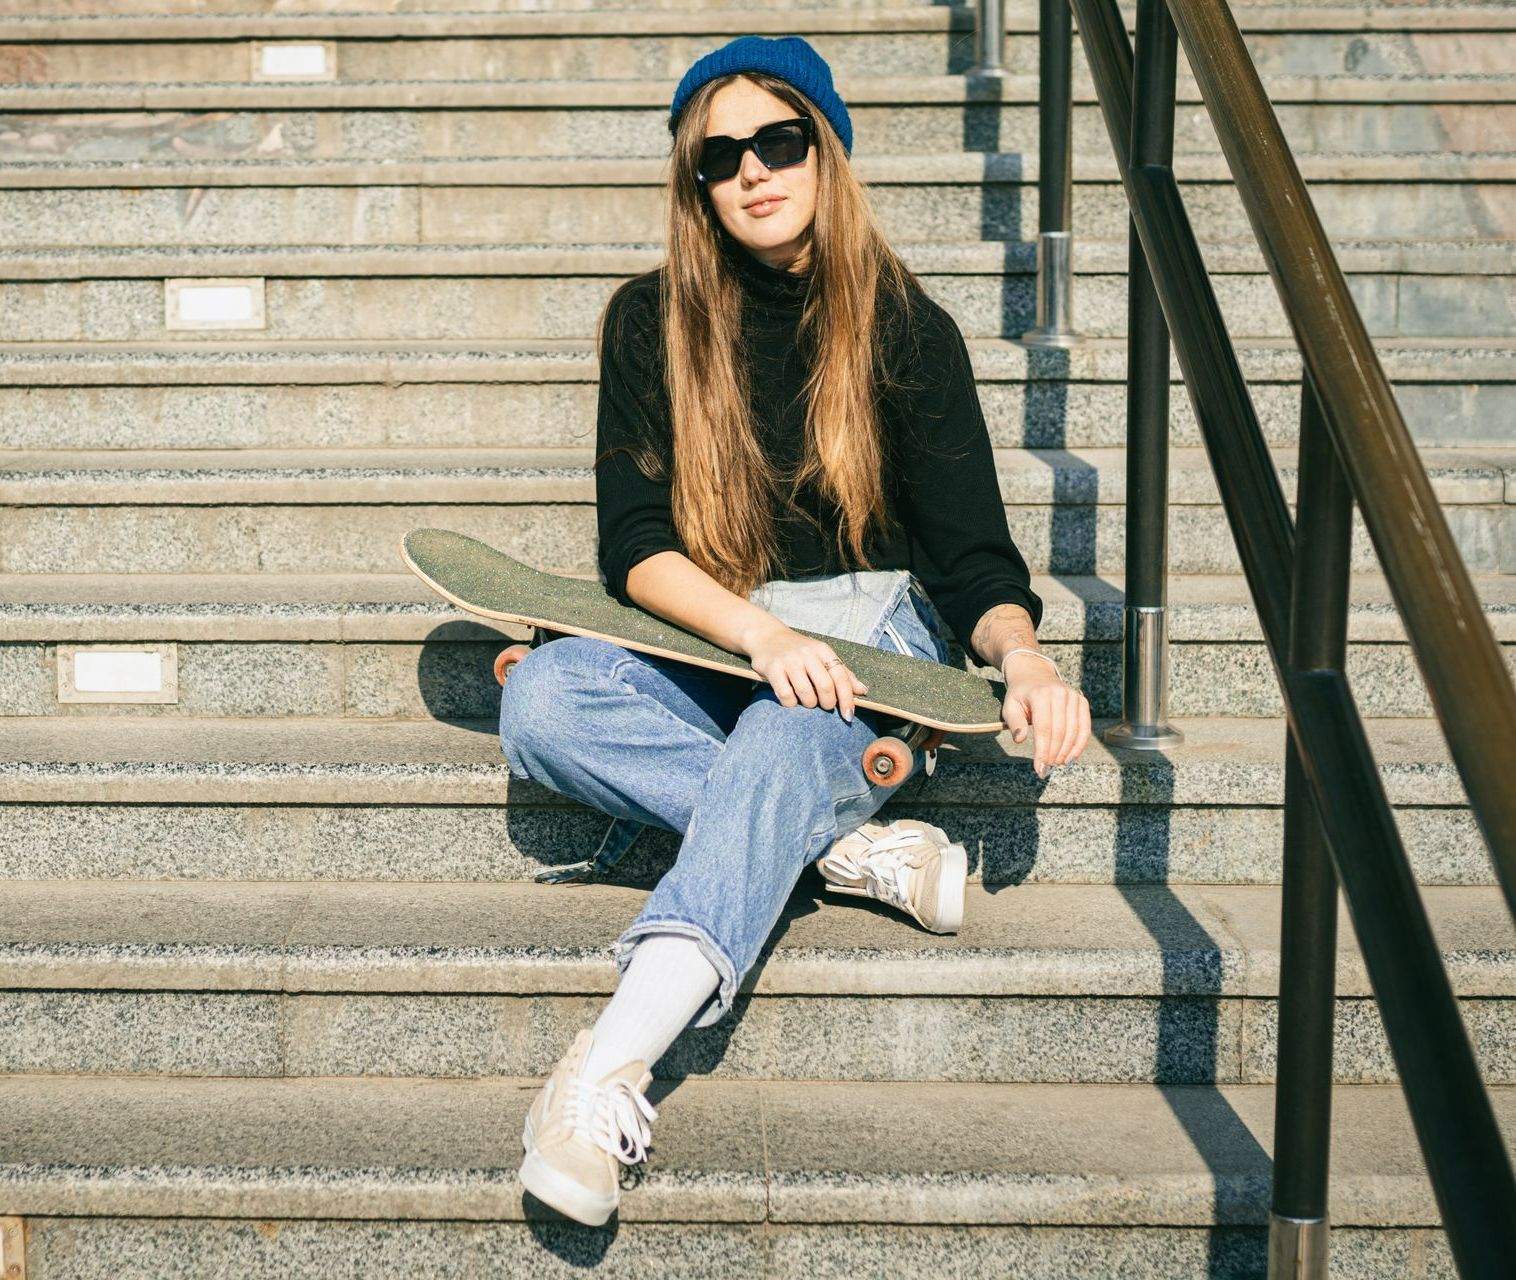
column 1297, row 1248
column 1144, row 683
column 1055, row 292
column 1142, row 737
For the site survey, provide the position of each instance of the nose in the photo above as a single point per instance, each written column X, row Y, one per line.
column 753, row 169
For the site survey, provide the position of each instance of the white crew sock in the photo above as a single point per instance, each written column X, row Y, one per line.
column 664, row 985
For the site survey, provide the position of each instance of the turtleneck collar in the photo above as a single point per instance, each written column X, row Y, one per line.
column 771, row 287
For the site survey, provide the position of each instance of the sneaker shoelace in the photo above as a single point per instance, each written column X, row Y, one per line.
column 884, row 865
column 614, row 1117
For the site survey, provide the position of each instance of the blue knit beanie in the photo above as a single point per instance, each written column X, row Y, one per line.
column 789, row 58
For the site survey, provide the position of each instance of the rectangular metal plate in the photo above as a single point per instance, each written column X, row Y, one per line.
column 222, row 302
column 294, row 60
column 118, row 673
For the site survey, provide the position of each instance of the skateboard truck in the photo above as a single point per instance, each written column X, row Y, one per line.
column 887, row 760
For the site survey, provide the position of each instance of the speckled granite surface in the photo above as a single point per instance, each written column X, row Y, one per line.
column 726, row 1151
column 1045, row 982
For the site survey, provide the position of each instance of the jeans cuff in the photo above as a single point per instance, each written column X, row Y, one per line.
column 726, row 992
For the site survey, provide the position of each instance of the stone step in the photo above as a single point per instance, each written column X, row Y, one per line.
column 951, row 200
column 341, row 799
column 1078, row 984
column 332, row 511
column 385, row 646
column 546, row 46
column 272, row 395
column 655, row 93
column 286, row 17
column 395, row 607
column 1027, row 477
column 964, row 168
column 209, row 132
column 777, row 1179
column 481, row 22
column 317, row 537
column 534, row 293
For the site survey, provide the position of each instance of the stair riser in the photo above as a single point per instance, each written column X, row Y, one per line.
column 270, row 136
column 1038, row 415
column 135, row 1248
column 666, row 57
column 377, row 215
column 529, row 308
column 452, row 680
column 1172, row 1040
column 1230, row 840
column 364, row 539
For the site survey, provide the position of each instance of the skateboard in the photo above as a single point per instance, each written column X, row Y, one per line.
column 928, row 699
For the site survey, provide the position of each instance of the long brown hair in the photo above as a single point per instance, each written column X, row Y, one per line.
column 723, row 484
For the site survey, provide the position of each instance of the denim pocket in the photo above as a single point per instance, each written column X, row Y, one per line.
column 907, row 631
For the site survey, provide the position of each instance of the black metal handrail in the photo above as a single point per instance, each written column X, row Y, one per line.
column 1354, row 446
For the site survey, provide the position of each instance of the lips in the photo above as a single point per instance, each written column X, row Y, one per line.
column 764, row 206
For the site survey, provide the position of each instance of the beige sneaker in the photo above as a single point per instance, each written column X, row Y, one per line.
column 579, row 1133
column 908, row 864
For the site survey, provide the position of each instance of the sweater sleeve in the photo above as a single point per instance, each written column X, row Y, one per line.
column 962, row 550
column 633, row 511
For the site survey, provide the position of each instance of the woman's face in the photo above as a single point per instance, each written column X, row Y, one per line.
column 768, row 211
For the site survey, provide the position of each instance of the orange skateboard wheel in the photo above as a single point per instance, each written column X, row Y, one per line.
column 509, row 658
column 886, row 761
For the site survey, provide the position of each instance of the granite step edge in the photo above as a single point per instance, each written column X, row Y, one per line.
column 503, row 938
column 822, row 1152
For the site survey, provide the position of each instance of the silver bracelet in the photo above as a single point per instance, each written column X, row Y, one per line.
column 1034, row 654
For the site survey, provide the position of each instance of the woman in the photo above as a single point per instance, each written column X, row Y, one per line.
column 789, row 436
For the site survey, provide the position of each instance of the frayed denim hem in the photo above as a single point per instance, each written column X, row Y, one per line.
column 726, row 992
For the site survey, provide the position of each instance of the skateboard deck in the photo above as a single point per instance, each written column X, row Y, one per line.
column 486, row 582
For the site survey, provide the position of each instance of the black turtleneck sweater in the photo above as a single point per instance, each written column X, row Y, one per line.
column 948, row 523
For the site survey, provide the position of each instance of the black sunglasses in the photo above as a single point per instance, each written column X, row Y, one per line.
column 778, row 145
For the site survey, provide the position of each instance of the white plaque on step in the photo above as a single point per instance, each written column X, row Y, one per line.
column 118, row 673
column 307, row 60
column 213, row 303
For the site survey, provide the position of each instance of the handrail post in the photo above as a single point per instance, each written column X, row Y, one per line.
column 1144, row 651
column 1298, row 1228
column 1055, row 113
column 989, row 40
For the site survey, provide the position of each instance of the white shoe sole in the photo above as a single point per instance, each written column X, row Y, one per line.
column 951, row 879
column 559, row 1191
column 950, row 889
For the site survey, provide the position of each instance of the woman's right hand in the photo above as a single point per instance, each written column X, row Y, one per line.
column 796, row 667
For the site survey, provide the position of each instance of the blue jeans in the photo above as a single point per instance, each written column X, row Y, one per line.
column 758, row 790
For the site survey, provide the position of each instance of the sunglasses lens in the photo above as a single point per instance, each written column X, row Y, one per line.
column 719, row 160
column 783, row 145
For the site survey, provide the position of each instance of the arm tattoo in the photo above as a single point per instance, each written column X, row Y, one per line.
column 1001, row 629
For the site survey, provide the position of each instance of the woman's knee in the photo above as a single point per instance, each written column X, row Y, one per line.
column 547, row 685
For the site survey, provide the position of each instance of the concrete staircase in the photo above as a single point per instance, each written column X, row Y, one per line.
column 275, row 984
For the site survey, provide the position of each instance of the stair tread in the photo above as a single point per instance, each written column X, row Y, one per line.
column 1479, row 475
column 655, row 92
column 972, row 167
column 321, row 760
column 397, row 607
column 520, row 938
column 723, row 1151
column 981, row 257
column 259, row 361
column 1021, row 18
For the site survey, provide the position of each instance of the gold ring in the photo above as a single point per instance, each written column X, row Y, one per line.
column 827, row 666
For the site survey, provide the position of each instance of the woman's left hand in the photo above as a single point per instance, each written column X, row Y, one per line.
column 1036, row 700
